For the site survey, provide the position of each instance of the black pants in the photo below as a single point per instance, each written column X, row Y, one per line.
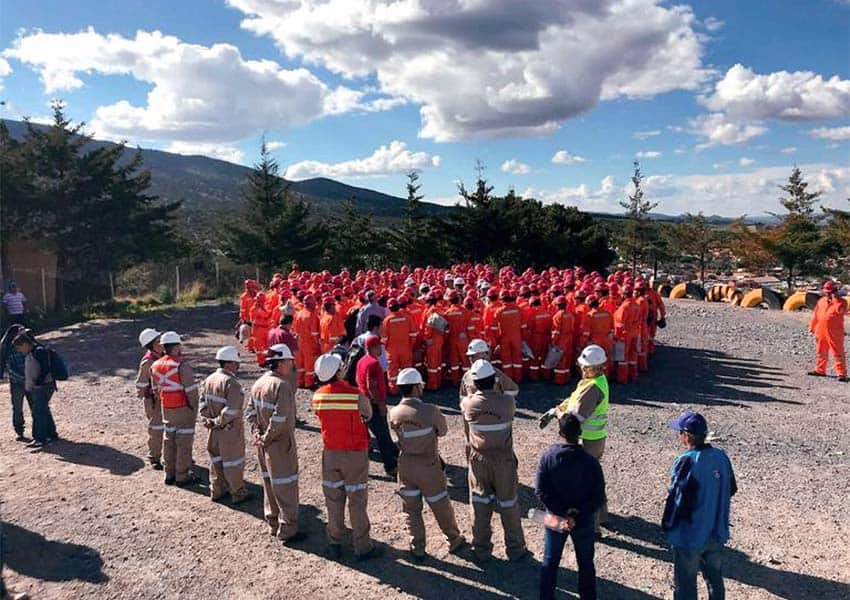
column 553, row 548
column 379, row 428
column 43, row 425
column 18, row 393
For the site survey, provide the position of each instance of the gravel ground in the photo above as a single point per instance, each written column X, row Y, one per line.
column 89, row 518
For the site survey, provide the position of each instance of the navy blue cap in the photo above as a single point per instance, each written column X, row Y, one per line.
column 690, row 422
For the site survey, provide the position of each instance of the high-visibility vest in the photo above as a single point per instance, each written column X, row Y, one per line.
column 166, row 377
column 336, row 406
column 595, row 426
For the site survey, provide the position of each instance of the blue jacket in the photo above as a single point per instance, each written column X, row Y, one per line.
column 570, row 483
column 698, row 500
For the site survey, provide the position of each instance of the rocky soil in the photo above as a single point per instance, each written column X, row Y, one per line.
column 88, row 517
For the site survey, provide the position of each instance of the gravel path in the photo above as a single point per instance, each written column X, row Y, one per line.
column 88, row 518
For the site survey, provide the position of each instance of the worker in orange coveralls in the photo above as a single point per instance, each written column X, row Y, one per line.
column 539, row 332
column 246, row 303
column 643, row 336
column 261, row 322
column 433, row 339
column 456, row 341
column 626, row 330
column 563, row 331
column 657, row 316
column 307, row 327
column 488, row 316
column 397, row 342
column 598, row 328
column 827, row 325
column 475, row 329
column 507, row 329
column 331, row 325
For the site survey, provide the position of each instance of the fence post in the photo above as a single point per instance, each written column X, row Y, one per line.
column 217, row 277
column 257, row 272
column 43, row 290
column 111, row 287
column 177, row 292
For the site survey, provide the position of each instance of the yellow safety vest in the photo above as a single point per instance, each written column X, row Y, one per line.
column 594, row 427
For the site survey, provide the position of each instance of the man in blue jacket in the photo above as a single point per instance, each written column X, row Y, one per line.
column 696, row 514
column 571, row 487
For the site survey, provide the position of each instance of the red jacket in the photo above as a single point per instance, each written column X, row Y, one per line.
column 335, row 405
column 370, row 379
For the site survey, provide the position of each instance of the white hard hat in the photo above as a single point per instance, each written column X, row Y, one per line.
column 327, row 366
column 424, row 287
column 477, row 347
column 592, row 356
column 279, row 352
column 482, row 369
column 409, row 281
column 227, row 354
column 459, row 281
column 409, row 377
column 170, row 337
column 483, row 285
column 147, row 336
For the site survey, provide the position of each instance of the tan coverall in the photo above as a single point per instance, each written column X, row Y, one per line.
column 153, row 412
column 271, row 413
column 420, row 471
column 493, row 481
column 180, row 428
column 222, row 401
column 504, row 384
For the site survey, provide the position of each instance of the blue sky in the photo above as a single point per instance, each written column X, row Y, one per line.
column 718, row 99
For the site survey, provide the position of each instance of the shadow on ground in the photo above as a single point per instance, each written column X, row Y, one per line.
column 736, row 564
column 31, row 554
column 88, row 454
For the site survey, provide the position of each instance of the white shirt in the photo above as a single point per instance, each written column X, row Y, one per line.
column 14, row 302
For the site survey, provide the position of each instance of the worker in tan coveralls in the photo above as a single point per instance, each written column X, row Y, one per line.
column 420, row 469
column 493, row 481
column 221, row 413
column 271, row 413
column 343, row 412
column 174, row 383
column 479, row 350
column 149, row 340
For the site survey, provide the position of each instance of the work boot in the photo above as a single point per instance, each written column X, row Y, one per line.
column 375, row 552
column 459, row 546
column 525, row 555
column 844, row 379
column 20, row 437
column 156, row 464
column 190, row 480
column 170, row 480
column 240, row 497
column 418, row 557
column 294, row 539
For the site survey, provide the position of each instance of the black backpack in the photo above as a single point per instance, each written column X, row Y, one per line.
column 51, row 363
column 349, row 369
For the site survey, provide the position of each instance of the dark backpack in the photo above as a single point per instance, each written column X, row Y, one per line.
column 51, row 363
column 349, row 369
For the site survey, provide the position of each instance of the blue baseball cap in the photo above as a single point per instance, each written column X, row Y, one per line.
column 690, row 422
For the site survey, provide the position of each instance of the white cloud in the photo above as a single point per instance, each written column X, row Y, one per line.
column 831, row 133
column 642, row 135
column 716, row 129
column 728, row 194
column 515, row 167
column 719, row 165
column 798, row 96
column 562, row 157
column 198, row 94
column 486, row 68
column 648, row 154
column 5, row 71
column 789, row 150
column 386, row 160
column 713, row 24
column 274, row 145
column 746, row 162
column 220, row 151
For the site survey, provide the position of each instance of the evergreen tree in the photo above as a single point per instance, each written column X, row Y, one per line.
column 275, row 229
column 637, row 230
column 696, row 238
column 416, row 240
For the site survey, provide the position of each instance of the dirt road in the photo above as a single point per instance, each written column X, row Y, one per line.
column 88, row 517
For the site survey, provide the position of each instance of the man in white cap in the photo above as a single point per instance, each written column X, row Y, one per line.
column 149, row 340
column 174, row 383
column 221, row 413
column 343, row 412
column 271, row 413
column 589, row 402
column 493, row 481
column 479, row 350
column 417, row 426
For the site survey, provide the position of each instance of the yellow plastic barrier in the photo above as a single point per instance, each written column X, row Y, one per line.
column 679, row 290
column 795, row 301
column 752, row 299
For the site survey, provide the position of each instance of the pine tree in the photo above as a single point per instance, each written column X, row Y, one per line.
column 416, row 241
column 637, row 230
column 275, row 229
column 696, row 238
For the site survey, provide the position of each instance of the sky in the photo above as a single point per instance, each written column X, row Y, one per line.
column 717, row 99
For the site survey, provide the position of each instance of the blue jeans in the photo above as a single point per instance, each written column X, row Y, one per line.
column 18, row 393
column 553, row 548
column 687, row 562
column 43, row 425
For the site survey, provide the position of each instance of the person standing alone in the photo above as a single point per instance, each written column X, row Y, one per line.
column 14, row 303
column 827, row 325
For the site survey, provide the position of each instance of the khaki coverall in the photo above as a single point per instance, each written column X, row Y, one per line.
column 493, row 481
column 420, row 471
column 222, row 401
column 503, row 384
column 153, row 412
column 271, row 413
column 180, row 428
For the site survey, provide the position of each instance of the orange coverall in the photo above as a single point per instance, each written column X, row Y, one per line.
column 598, row 328
column 539, row 327
column 643, row 340
column 658, row 311
column 260, row 324
column 563, row 330
column 398, row 343
column 827, row 325
column 626, row 330
column 331, row 328
column 507, row 329
column 456, row 342
column 306, row 326
column 433, row 350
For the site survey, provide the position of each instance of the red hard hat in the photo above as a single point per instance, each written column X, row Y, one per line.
column 523, row 289
column 504, row 294
column 592, row 298
column 309, row 300
column 492, row 293
column 392, row 304
column 601, row 287
column 828, row 287
column 561, row 301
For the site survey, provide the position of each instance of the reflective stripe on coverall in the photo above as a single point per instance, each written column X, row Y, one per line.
column 222, row 401
column 174, row 382
column 153, row 411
